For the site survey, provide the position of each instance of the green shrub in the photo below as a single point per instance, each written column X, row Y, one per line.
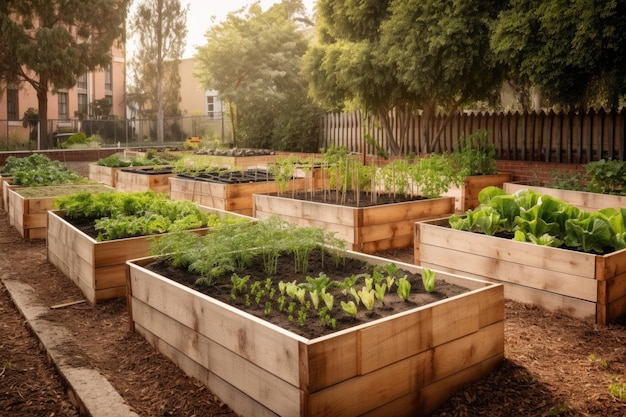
column 113, row 161
column 474, row 155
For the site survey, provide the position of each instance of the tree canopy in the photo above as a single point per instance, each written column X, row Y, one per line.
column 161, row 29
column 49, row 44
column 573, row 52
column 253, row 59
column 405, row 55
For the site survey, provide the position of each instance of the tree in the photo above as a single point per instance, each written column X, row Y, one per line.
column 439, row 50
column 49, row 44
column 403, row 56
column 253, row 60
column 347, row 67
column 161, row 27
column 573, row 52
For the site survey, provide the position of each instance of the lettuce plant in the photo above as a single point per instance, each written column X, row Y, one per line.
column 544, row 220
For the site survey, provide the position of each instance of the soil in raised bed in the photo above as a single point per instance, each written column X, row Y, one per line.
column 351, row 198
column 312, row 327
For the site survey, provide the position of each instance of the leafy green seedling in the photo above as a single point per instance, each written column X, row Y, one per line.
column 380, row 291
column 329, row 300
column 367, row 297
column 315, row 298
column 428, row 279
column 404, row 288
column 349, row 308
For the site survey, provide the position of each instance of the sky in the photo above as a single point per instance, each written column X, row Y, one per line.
column 201, row 11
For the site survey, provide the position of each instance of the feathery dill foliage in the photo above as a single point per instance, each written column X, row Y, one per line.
column 121, row 215
column 231, row 247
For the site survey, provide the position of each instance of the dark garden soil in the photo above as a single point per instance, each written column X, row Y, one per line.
column 351, row 198
column 311, row 326
column 554, row 365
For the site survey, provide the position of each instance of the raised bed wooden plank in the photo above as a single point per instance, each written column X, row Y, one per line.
column 556, row 279
column 316, row 391
column 581, row 199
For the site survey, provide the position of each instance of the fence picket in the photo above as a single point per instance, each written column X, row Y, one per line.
column 572, row 137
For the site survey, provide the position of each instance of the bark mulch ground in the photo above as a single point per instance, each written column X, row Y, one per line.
column 554, row 365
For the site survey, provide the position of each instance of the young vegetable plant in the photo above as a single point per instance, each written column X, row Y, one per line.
column 428, row 279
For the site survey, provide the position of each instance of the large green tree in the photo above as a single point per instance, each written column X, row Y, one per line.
column 253, row 60
column 439, row 50
column 347, row 68
column 573, row 52
column 405, row 55
column 161, row 28
column 49, row 44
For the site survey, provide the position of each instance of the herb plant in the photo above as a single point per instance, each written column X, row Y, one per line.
column 474, row 155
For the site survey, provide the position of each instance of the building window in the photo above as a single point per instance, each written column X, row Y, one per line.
column 81, row 83
column 63, row 110
column 108, row 79
column 13, row 111
column 210, row 106
column 83, row 105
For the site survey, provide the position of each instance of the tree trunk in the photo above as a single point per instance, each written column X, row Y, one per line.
column 383, row 116
column 160, row 133
column 42, row 102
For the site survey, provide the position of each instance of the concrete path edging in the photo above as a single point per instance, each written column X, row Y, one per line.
column 88, row 390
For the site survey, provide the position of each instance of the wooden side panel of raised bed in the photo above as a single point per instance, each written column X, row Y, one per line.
column 5, row 182
column 72, row 254
column 381, row 229
column 131, row 182
column 580, row 284
column 29, row 215
column 466, row 195
column 235, row 198
column 6, row 186
column 97, row 268
column 411, row 377
column 581, row 199
column 102, row 174
column 365, row 229
column 245, row 405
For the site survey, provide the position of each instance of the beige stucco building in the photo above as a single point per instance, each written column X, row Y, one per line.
column 65, row 105
column 195, row 99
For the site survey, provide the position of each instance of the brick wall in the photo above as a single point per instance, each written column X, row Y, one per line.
column 537, row 172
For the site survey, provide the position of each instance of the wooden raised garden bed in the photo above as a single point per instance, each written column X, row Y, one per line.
column 243, row 162
column 29, row 215
column 235, row 196
column 402, row 365
column 466, row 196
column 365, row 229
column 5, row 184
column 97, row 268
column 144, row 178
column 579, row 284
column 104, row 175
column 581, row 199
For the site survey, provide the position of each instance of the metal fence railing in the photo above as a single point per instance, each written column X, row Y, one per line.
column 117, row 132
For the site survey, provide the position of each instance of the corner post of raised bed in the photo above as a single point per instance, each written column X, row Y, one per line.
column 129, row 299
column 416, row 243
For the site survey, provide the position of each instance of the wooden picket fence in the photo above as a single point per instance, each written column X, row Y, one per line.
column 564, row 137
